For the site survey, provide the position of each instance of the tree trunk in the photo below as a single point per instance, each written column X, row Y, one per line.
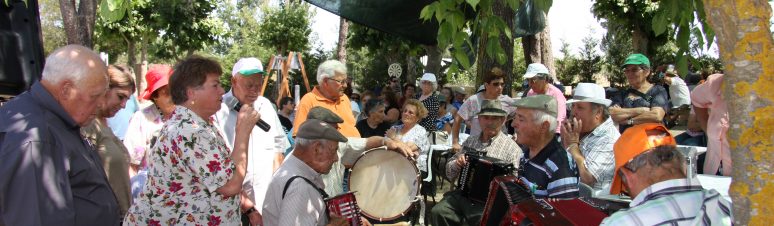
column 342, row 45
column 434, row 62
column 537, row 49
column 531, row 47
column 79, row 20
column 546, row 52
column 131, row 61
column 639, row 40
column 747, row 51
column 411, row 69
column 484, row 62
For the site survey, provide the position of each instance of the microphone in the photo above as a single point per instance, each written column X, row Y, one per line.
column 234, row 104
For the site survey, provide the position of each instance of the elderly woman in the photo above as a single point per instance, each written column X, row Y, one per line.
column 642, row 102
column 194, row 179
column 144, row 126
column 428, row 85
column 412, row 135
column 373, row 124
column 115, row 157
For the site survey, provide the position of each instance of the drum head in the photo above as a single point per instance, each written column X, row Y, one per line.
column 385, row 184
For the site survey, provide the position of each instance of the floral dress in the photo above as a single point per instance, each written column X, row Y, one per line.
column 190, row 161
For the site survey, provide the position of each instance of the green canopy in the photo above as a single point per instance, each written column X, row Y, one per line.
column 401, row 17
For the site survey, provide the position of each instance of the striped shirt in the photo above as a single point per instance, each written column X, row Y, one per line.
column 302, row 205
column 597, row 148
column 501, row 147
column 551, row 173
column 675, row 202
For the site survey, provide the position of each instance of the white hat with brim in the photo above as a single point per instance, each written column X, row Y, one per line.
column 429, row 77
column 535, row 68
column 247, row 67
column 589, row 92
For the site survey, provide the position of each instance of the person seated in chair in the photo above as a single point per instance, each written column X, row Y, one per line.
column 546, row 169
column 650, row 169
column 589, row 134
column 454, row 208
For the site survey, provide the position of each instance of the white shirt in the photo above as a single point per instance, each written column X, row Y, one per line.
column 679, row 93
column 263, row 147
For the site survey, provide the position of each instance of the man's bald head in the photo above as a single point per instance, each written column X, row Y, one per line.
column 77, row 78
column 74, row 63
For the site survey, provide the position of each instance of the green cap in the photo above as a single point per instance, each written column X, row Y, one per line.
column 323, row 114
column 314, row 129
column 493, row 108
column 544, row 103
column 636, row 59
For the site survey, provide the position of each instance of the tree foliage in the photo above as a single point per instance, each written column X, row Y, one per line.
column 589, row 61
column 458, row 20
column 372, row 51
column 286, row 28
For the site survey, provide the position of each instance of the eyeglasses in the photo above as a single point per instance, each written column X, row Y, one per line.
column 409, row 112
column 497, row 83
column 337, row 81
column 629, row 71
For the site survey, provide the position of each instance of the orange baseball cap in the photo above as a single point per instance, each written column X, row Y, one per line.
column 634, row 141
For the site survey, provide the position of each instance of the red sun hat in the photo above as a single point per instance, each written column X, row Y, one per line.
column 157, row 77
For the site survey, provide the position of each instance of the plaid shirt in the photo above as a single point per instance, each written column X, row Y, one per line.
column 500, row 147
column 597, row 148
column 675, row 202
column 551, row 173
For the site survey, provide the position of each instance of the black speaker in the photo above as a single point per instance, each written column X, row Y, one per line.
column 21, row 46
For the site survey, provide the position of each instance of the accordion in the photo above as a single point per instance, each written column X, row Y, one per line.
column 504, row 192
column 554, row 212
column 478, row 172
column 346, row 206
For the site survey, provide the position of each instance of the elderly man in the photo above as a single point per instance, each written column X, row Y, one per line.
column 349, row 151
column 643, row 101
column 545, row 168
column 50, row 175
column 265, row 148
column 468, row 112
column 332, row 78
column 539, row 80
column 589, row 136
column 296, row 195
column 456, row 209
column 651, row 170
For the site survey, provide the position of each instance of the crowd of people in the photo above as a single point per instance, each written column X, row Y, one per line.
column 196, row 154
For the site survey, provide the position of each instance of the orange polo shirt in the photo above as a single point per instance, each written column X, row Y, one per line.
column 342, row 108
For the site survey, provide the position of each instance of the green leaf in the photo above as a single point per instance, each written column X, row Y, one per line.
column 513, row 4
column 461, row 57
column 682, row 64
column 473, row 3
column 113, row 10
column 660, row 22
column 543, row 5
column 427, row 12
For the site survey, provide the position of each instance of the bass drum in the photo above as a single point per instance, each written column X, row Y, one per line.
column 386, row 184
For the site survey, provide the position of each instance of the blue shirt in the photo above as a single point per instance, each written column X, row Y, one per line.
column 551, row 173
column 119, row 122
column 49, row 174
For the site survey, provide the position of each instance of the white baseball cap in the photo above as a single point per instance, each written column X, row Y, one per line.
column 534, row 69
column 247, row 67
column 428, row 77
column 589, row 92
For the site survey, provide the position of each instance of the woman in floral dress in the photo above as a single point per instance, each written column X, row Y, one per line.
column 193, row 177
